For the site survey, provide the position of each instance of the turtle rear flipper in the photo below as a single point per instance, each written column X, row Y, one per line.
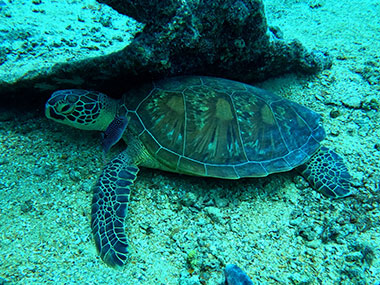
column 326, row 172
column 109, row 209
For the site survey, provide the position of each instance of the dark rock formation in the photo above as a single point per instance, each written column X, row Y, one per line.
column 226, row 38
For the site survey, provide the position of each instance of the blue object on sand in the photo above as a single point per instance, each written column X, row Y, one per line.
column 236, row 276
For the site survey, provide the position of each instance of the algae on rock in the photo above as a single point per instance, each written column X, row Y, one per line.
column 225, row 38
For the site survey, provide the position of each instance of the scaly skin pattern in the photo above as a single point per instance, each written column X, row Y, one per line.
column 109, row 209
column 326, row 172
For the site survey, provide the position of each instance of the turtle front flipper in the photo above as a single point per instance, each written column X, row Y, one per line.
column 326, row 172
column 114, row 132
column 109, row 209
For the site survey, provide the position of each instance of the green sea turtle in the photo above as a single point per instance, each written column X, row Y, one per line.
column 195, row 125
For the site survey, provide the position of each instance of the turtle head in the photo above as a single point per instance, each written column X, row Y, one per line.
column 82, row 109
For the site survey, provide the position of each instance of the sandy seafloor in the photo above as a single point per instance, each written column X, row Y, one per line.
column 183, row 230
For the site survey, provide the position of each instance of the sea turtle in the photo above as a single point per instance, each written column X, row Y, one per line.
column 195, row 125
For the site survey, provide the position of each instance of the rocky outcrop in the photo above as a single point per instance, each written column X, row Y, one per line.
column 226, row 38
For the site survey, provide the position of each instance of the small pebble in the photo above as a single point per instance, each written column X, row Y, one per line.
column 39, row 171
column 215, row 214
column 314, row 244
column 86, row 186
column 189, row 199
column 27, row 206
column 353, row 257
column 334, row 113
column 296, row 222
column 352, row 102
column 221, row 202
column 74, row 175
column 306, row 232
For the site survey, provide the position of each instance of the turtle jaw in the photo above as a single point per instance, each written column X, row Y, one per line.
column 52, row 114
column 50, row 111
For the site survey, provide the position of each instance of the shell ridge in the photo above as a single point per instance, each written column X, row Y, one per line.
column 185, row 123
column 277, row 124
column 150, row 93
column 238, row 126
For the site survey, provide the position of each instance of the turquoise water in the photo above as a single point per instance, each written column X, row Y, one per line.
column 183, row 229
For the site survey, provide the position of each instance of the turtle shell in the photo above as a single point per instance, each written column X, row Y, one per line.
column 221, row 128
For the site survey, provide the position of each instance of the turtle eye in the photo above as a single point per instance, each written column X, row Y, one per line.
column 71, row 98
column 65, row 108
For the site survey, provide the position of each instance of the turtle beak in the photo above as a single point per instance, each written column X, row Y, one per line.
column 49, row 108
column 51, row 114
column 50, row 111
